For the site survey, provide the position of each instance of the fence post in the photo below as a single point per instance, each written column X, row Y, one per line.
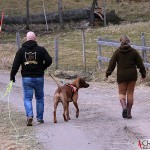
column 100, row 53
column 56, row 53
column 83, row 48
column 144, row 53
column 45, row 16
column 27, row 15
column 92, row 12
column 104, row 11
column 60, row 13
column 18, row 40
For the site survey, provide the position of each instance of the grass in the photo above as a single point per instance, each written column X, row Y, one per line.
column 9, row 138
column 70, row 45
column 132, row 12
column 70, row 52
column 70, row 41
column 14, row 8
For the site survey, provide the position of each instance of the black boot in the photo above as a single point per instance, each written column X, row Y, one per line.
column 129, row 107
column 124, row 107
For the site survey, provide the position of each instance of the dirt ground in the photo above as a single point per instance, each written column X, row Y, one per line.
column 100, row 125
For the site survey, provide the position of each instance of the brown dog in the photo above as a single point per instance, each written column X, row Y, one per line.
column 68, row 93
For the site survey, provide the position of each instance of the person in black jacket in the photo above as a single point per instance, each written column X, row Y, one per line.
column 127, row 60
column 34, row 60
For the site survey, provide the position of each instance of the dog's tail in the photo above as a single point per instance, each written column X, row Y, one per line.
column 59, row 89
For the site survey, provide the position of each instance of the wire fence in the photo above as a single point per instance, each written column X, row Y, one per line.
column 68, row 52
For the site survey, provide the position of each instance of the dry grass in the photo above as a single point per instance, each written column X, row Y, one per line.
column 70, row 45
column 70, row 53
column 134, row 11
column 19, row 7
column 9, row 139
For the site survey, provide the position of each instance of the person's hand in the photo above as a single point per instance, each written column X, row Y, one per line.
column 107, row 75
column 143, row 79
column 12, row 79
column 106, row 78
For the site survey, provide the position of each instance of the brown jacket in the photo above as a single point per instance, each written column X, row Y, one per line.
column 127, row 60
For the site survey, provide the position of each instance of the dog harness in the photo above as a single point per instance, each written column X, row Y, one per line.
column 73, row 89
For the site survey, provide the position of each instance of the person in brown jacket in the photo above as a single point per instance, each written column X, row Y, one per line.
column 127, row 60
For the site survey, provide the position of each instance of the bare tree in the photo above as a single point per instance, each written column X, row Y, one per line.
column 92, row 12
column 60, row 12
column 104, row 11
column 27, row 14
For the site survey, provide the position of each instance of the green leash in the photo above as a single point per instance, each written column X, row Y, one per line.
column 8, row 88
column 7, row 92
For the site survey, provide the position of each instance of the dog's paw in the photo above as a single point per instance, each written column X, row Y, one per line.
column 77, row 115
column 68, row 118
column 55, row 121
column 65, row 119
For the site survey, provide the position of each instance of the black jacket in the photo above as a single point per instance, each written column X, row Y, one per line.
column 127, row 60
column 33, row 59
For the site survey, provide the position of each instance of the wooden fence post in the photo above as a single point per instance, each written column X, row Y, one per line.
column 144, row 53
column 56, row 53
column 104, row 11
column 27, row 14
column 83, row 49
column 45, row 16
column 102, row 42
column 18, row 40
column 100, row 54
column 92, row 12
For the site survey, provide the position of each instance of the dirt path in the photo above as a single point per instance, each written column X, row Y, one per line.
column 99, row 126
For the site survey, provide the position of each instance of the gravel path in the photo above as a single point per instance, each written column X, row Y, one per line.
column 99, row 126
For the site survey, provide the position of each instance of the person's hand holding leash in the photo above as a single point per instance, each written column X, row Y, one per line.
column 143, row 80
column 12, row 79
column 106, row 77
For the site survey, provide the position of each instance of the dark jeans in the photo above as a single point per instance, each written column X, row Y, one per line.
column 31, row 85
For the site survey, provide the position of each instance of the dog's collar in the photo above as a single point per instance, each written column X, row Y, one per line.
column 73, row 88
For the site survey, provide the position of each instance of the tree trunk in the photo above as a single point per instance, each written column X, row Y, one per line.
column 104, row 11
column 27, row 14
column 92, row 12
column 60, row 12
column 71, row 15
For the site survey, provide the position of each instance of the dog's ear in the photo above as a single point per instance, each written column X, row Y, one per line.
column 83, row 83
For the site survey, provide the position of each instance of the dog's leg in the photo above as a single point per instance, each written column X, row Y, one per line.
column 75, row 97
column 56, row 101
column 64, row 102
column 77, row 109
column 55, row 108
column 68, row 117
column 65, row 111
